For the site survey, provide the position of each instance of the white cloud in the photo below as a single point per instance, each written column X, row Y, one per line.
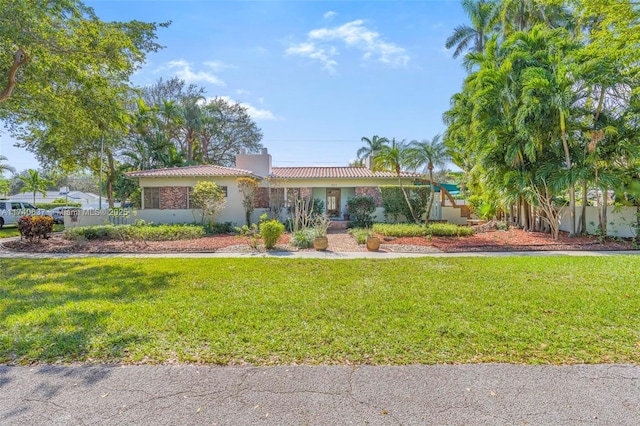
column 330, row 14
column 310, row 50
column 242, row 92
column 218, row 65
column 353, row 35
column 255, row 113
column 183, row 70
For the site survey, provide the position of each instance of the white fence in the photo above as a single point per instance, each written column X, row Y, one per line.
column 620, row 220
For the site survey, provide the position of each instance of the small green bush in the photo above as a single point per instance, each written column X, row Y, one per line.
column 33, row 228
column 399, row 230
column 271, row 231
column 360, row 234
column 448, row 230
column 303, row 238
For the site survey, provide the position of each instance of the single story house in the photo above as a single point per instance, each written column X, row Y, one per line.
column 165, row 192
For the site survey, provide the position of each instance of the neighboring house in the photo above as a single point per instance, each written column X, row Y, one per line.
column 165, row 192
column 85, row 198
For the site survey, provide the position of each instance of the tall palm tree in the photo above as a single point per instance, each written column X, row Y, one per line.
column 392, row 158
column 484, row 17
column 374, row 145
column 5, row 167
column 428, row 154
column 35, row 183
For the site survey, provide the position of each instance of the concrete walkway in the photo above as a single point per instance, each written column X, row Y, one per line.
column 483, row 394
column 311, row 254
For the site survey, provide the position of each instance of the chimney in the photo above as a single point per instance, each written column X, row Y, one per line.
column 258, row 164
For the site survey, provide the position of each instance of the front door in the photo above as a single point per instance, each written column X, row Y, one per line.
column 333, row 202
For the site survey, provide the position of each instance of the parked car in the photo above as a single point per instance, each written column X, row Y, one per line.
column 11, row 211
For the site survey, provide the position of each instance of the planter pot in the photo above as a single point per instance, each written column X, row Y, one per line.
column 373, row 243
column 320, row 243
column 346, row 216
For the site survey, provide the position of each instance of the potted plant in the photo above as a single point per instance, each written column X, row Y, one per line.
column 373, row 242
column 320, row 227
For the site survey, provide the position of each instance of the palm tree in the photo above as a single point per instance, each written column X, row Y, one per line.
column 484, row 17
column 428, row 154
column 35, row 183
column 374, row 145
column 392, row 158
column 5, row 167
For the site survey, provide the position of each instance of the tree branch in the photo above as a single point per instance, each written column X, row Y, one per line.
column 19, row 59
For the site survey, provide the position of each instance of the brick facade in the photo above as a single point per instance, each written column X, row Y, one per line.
column 174, row 197
column 261, row 199
column 371, row 191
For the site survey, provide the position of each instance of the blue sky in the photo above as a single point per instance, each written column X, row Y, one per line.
column 316, row 75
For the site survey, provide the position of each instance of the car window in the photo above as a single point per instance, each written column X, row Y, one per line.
column 16, row 206
column 29, row 206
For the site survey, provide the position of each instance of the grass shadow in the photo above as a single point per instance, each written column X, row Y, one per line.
column 55, row 311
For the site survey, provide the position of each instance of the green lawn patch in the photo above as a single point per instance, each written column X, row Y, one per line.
column 276, row 311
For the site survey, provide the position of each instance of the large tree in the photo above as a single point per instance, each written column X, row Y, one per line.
column 393, row 158
column 66, row 78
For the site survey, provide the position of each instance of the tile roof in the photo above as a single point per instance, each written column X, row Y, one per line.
column 191, row 171
column 333, row 173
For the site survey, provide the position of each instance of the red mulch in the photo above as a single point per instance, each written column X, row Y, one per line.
column 513, row 240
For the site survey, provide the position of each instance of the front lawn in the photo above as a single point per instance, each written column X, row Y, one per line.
column 275, row 311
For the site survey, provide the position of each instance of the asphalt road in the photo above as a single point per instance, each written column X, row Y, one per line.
column 481, row 394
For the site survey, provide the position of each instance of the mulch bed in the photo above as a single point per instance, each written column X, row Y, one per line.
column 511, row 240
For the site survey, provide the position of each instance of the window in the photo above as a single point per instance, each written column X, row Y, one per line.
column 151, row 198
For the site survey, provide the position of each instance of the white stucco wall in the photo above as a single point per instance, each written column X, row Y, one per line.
column 452, row 215
column 232, row 211
column 619, row 220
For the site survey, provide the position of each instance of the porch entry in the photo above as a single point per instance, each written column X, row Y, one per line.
column 333, row 202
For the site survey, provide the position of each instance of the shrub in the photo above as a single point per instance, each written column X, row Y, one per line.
column 360, row 234
column 135, row 232
column 219, row 228
column 360, row 209
column 395, row 204
column 33, row 228
column 303, row 238
column 271, row 232
column 400, row 230
column 448, row 230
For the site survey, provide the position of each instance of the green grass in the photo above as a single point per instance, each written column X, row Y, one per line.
column 277, row 311
column 12, row 230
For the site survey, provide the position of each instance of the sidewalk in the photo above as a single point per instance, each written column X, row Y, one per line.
column 479, row 394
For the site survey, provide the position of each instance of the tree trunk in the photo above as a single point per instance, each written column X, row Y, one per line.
column 582, row 228
column 572, row 189
column 603, row 217
column 431, row 196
